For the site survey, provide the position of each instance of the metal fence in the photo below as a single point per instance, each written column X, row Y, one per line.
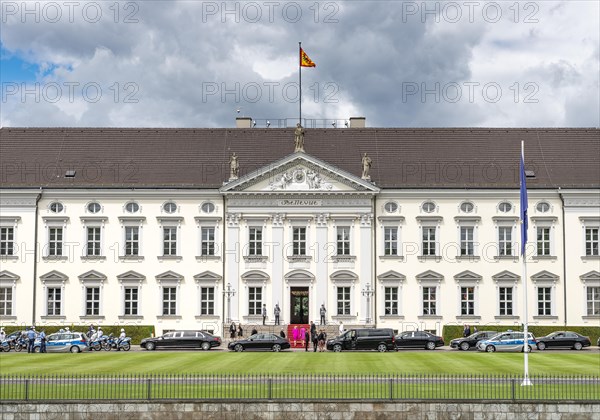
column 298, row 387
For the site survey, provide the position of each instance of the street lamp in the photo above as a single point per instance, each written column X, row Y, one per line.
column 229, row 292
column 368, row 293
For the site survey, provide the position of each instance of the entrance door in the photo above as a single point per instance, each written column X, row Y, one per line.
column 299, row 305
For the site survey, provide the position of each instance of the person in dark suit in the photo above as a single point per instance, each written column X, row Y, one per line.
column 313, row 335
column 467, row 331
column 306, row 339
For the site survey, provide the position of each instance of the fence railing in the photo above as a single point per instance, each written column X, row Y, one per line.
column 301, row 387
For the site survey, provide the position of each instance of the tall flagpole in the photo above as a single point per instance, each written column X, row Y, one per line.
column 300, row 83
column 523, row 210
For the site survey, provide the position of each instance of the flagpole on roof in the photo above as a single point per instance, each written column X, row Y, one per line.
column 524, row 223
column 300, row 83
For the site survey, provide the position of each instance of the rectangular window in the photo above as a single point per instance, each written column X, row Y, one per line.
column 299, row 241
column 505, row 299
column 391, row 300
column 54, row 301
column 92, row 301
column 55, row 241
column 169, row 241
column 132, row 240
column 429, row 300
column 343, row 241
column 504, row 241
column 6, row 303
column 543, row 241
column 467, row 301
column 343, row 301
column 207, row 301
column 169, row 301
column 390, row 241
column 93, row 242
column 593, row 301
column 254, row 300
column 7, row 238
column 255, row 241
column 544, row 301
column 208, row 241
column 131, row 301
column 429, row 240
column 467, row 242
column 591, row 241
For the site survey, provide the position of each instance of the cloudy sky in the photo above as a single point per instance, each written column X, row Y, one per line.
column 397, row 63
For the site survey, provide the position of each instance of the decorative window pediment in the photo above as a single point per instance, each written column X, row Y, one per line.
column 131, row 276
column 430, row 276
column 391, row 277
column 255, row 276
column 592, row 276
column 54, row 276
column 544, row 276
column 6, row 277
column 169, row 276
column 506, row 276
column 207, row 277
column 467, row 276
column 299, row 276
column 92, row 276
column 343, row 275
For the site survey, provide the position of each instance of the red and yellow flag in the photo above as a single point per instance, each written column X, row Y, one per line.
column 305, row 61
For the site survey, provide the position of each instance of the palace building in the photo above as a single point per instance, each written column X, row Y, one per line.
column 393, row 227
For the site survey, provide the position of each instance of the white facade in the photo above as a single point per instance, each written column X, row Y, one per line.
column 298, row 233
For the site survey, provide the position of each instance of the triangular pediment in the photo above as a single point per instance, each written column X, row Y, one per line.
column 429, row 275
column 591, row 276
column 91, row 276
column 207, row 276
column 169, row 275
column 131, row 275
column 506, row 276
column 54, row 275
column 466, row 276
column 544, row 275
column 299, row 173
column 8, row 276
column 391, row 276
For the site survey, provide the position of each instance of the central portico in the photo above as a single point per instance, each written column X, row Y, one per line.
column 299, row 234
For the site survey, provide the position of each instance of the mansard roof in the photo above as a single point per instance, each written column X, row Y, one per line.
column 199, row 158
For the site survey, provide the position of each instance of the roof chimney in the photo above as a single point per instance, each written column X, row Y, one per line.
column 357, row 122
column 243, row 122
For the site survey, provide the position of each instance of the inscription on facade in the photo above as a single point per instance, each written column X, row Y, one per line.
column 300, row 202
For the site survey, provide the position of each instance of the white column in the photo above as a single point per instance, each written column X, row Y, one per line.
column 277, row 258
column 233, row 259
column 322, row 275
column 366, row 264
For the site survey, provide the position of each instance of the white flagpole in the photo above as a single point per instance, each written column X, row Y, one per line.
column 526, row 381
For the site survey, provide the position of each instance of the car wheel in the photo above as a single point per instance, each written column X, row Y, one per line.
column 150, row 346
column 337, row 348
column 464, row 346
column 75, row 349
column 205, row 345
column 577, row 346
column 126, row 346
column 238, row 348
column 277, row 347
column 490, row 349
column 528, row 349
column 382, row 348
column 430, row 345
column 36, row 349
column 541, row 346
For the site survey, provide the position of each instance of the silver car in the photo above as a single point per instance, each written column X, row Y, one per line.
column 74, row 342
column 507, row 341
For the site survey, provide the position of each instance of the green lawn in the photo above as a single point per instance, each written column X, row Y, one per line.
column 218, row 362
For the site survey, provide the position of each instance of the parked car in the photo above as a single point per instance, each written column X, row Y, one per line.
column 182, row 340
column 419, row 340
column 380, row 339
column 507, row 341
column 465, row 343
column 72, row 341
column 260, row 342
column 568, row 339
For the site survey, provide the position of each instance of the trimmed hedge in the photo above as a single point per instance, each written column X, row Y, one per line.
column 136, row 332
column 454, row 331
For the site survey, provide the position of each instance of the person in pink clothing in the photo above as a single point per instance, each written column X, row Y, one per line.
column 295, row 334
column 302, row 337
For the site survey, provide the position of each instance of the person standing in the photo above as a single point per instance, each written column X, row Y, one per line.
column 466, row 331
column 341, row 328
column 31, row 338
column 240, row 330
column 276, row 312
column 264, row 313
column 323, row 312
column 282, row 333
column 306, row 339
column 295, row 335
column 42, row 341
column 232, row 330
column 121, row 338
column 313, row 335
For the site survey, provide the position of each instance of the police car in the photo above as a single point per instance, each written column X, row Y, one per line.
column 507, row 341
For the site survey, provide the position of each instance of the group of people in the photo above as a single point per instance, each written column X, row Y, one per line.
column 235, row 331
column 301, row 335
column 277, row 313
column 467, row 330
column 29, row 336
